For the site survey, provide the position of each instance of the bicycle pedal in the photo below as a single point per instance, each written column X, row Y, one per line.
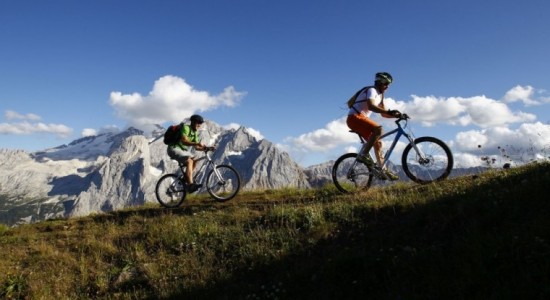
column 379, row 173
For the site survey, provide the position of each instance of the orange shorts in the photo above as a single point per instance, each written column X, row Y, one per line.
column 361, row 124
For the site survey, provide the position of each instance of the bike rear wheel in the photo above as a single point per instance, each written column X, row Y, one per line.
column 223, row 183
column 436, row 164
column 350, row 175
column 170, row 190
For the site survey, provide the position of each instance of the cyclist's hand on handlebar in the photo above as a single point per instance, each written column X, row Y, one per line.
column 394, row 113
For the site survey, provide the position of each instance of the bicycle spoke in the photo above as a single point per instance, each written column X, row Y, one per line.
column 170, row 190
column 433, row 162
column 223, row 183
column 350, row 175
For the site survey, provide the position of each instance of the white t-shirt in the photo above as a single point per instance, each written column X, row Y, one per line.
column 361, row 101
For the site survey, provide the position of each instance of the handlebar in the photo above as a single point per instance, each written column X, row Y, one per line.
column 402, row 117
column 397, row 114
column 207, row 149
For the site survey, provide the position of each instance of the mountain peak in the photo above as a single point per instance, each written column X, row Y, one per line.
column 113, row 170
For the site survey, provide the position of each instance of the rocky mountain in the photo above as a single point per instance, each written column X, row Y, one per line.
column 116, row 170
column 320, row 175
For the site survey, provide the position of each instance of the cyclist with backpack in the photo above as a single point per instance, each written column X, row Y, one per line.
column 186, row 137
column 361, row 105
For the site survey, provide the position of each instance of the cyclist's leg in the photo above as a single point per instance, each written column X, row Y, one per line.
column 182, row 157
column 380, row 158
column 377, row 145
column 191, row 164
column 189, row 168
column 364, row 127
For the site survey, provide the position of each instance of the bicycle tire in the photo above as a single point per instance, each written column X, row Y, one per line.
column 226, row 188
column 170, row 190
column 437, row 166
column 350, row 175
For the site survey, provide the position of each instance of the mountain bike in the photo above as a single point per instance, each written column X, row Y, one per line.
column 222, row 182
column 424, row 160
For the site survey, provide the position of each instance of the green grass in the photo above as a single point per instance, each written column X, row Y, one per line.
column 472, row 237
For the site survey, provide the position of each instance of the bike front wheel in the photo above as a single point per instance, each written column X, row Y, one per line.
column 435, row 163
column 170, row 191
column 223, row 183
column 350, row 175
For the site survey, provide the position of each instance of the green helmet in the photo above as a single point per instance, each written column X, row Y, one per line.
column 383, row 77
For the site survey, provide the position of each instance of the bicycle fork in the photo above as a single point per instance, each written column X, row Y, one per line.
column 420, row 156
column 219, row 176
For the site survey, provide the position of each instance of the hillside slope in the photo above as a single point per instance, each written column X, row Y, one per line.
column 472, row 237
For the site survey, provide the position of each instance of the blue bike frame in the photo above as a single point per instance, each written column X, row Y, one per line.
column 399, row 131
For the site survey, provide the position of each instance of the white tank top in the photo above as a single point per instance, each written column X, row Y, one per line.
column 361, row 101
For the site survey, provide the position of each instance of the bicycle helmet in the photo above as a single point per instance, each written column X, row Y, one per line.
column 383, row 77
column 196, row 119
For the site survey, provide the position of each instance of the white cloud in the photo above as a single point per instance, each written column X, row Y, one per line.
column 431, row 110
column 12, row 115
column 466, row 160
column 521, row 93
column 171, row 99
column 351, row 149
column 529, row 141
column 470, row 140
column 528, row 135
column 334, row 134
column 88, row 132
column 486, row 112
column 478, row 110
column 535, row 135
column 31, row 128
column 27, row 125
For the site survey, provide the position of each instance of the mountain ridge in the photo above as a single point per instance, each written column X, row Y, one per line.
column 111, row 171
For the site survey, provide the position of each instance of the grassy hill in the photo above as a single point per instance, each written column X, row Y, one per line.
column 471, row 237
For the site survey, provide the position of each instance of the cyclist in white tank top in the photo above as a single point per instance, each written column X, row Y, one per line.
column 371, row 99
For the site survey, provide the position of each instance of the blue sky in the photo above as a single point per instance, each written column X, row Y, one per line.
column 469, row 72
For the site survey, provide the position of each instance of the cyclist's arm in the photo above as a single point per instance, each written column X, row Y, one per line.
column 376, row 108
column 198, row 145
column 382, row 106
column 202, row 147
column 187, row 142
column 379, row 109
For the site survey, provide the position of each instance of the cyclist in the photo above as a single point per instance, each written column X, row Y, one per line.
column 371, row 99
column 182, row 153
